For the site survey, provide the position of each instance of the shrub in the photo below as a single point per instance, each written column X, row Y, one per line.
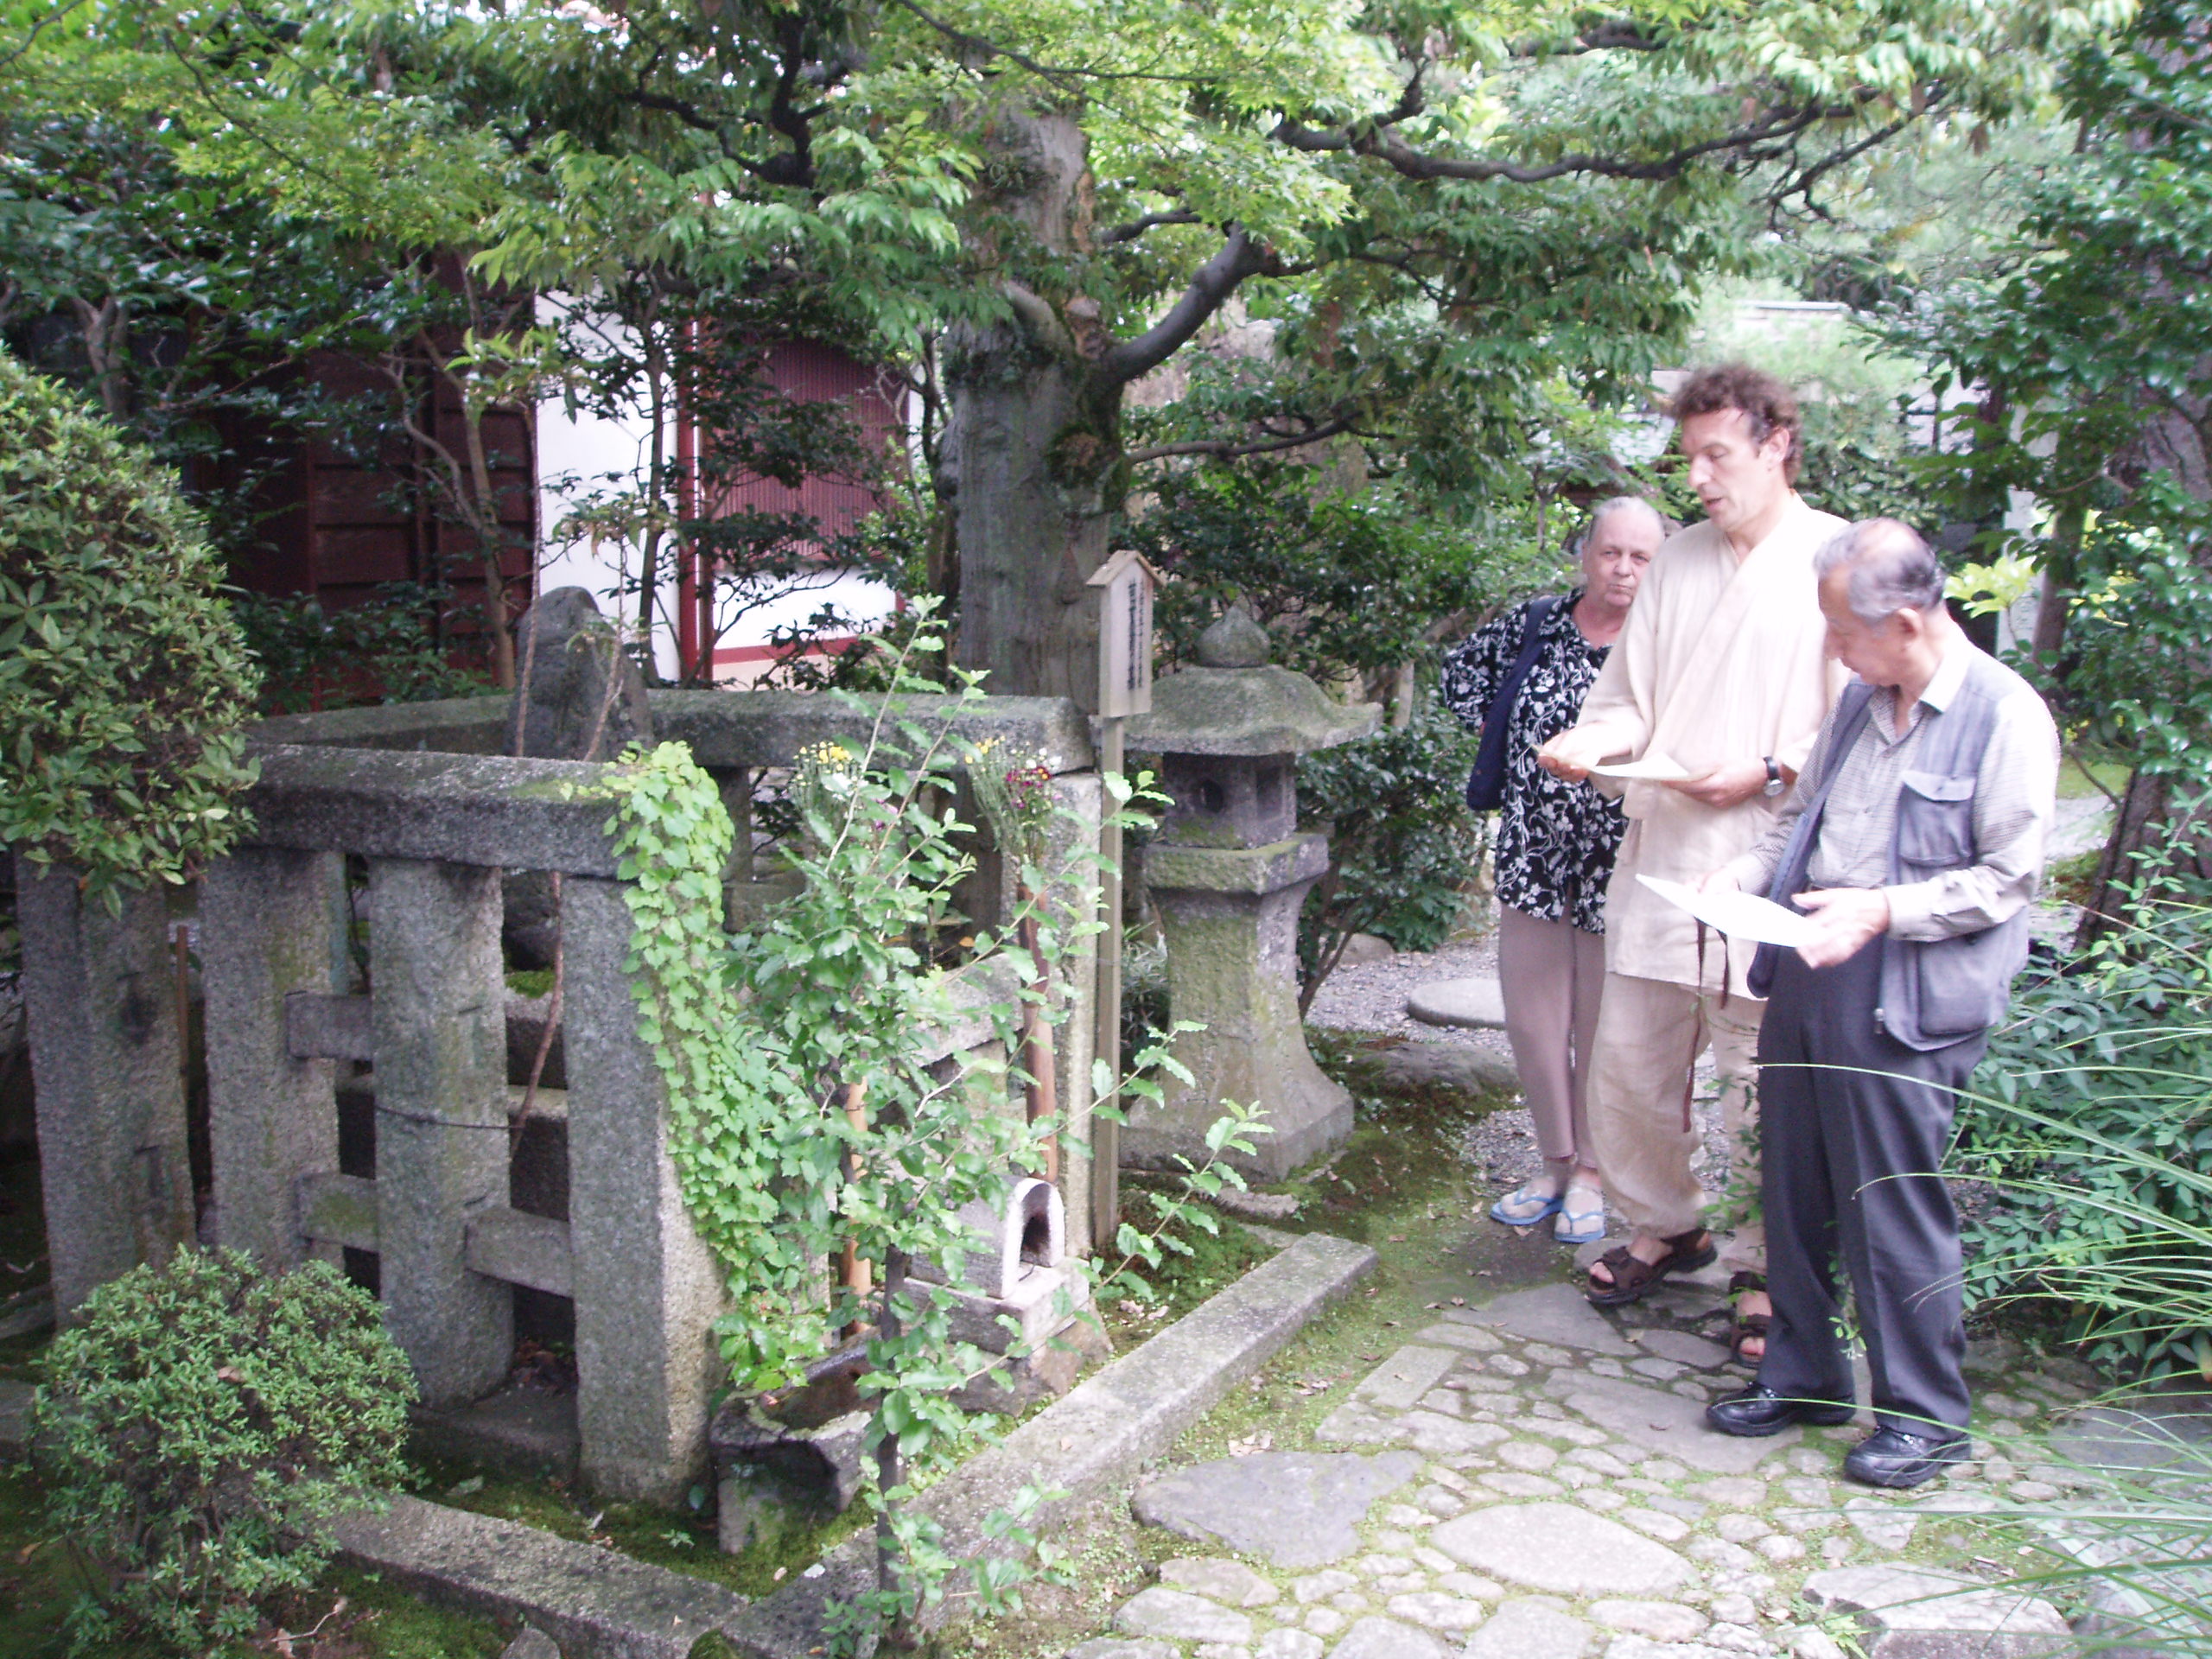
column 198, row 1429
column 1402, row 846
column 123, row 679
column 2094, row 1122
column 386, row 649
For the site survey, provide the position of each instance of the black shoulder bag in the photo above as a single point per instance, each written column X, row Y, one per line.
column 1486, row 783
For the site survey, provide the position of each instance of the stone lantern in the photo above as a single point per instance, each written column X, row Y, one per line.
column 1227, row 874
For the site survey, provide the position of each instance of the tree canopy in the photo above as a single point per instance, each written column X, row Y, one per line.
column 1455, row 224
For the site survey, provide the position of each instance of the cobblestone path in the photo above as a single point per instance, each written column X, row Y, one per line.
column 1529, row 1479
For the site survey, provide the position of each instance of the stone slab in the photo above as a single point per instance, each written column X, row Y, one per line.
column 1921, row 1612
column 1562, row 1549
column 15, row 1419
column 505, row 1243
column 323, row 1025
column 1528, row 1629
column 1472, row 1338
column 595, row 1603
column 1418, row 1065
column 1555, row 1313
column 1121, row 1646
column 1386, row 1639
column 531, row 1643
column 1230, row 1583
column 1684, row 1348
column 1399, row 1380
column 1177, row 1616
column 442, row 726
column 1479, row 1004
column 1660, row 1621
column 1298, row 1510
column 530, row 1432
column 33, row 1315
column 1667, row 1423
column 769, row 728
column 483, row 809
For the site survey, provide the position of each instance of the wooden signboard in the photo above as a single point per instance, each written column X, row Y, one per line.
column 1126, row 582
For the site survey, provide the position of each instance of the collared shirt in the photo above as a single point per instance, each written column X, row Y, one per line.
column 2015, row 794
column 1554, row 848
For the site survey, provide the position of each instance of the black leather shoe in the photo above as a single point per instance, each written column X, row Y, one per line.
column 1889, row 1457
column 1759, row 1411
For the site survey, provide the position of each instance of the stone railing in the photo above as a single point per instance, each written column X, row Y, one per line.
column 374, row 1109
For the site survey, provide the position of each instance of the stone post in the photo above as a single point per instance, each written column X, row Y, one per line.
column 646, row 1289
column 440, row 1015
column 1230, row 918
column 1079, row 798
column 265, row 917
column 99, row 992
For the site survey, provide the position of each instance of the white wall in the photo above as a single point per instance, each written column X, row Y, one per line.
column 574, row 455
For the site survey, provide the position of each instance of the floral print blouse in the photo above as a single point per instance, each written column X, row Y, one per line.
column 1555, row 841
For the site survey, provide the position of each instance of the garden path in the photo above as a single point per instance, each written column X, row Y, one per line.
column 1530, row 1479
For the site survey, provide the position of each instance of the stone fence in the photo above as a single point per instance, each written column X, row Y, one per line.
column 369, row 1102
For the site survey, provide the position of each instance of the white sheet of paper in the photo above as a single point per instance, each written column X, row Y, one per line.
column 1739, row 915
column 1656, row 767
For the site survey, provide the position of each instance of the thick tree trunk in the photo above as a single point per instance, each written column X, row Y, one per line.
column 1032, row 440
column 1037, row 451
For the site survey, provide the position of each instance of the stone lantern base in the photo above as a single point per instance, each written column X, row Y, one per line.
column 1231, row 918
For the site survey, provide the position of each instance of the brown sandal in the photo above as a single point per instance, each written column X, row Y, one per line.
column 1635, row 1277
column 1745, row 1327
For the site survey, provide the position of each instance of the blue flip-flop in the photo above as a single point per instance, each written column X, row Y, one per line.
column 1581, row 1226
column 1546, row 1207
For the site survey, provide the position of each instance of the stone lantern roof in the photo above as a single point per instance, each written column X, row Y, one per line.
column 1235, row 702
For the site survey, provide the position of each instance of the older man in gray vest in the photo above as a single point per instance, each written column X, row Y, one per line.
column 1914, row 840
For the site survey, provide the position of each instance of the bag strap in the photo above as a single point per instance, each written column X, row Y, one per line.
column 1532, row 647
column 1852, row 710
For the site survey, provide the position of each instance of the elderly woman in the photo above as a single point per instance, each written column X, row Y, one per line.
column 1553, row 852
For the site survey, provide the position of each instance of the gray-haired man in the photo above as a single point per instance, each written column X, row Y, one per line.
column 1915, row 839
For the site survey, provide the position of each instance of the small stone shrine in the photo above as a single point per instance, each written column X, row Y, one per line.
column 1227, row 875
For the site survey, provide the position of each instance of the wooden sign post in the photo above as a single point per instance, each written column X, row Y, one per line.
column 1126, row 582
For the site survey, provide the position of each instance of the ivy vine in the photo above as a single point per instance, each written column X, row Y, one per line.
column 807, row 1118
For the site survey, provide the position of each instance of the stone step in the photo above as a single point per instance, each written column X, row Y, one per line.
column 15, row 1420
column 595, row 1603
column 1478, row 1003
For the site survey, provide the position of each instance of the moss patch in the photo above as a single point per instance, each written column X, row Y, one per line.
column 41, row 1578
column 682, row 1542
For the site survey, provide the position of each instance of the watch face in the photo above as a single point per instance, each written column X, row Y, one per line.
column 1774, row 786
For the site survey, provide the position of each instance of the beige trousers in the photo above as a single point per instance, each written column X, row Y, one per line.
column 1552, row 977
column 1650, row 1034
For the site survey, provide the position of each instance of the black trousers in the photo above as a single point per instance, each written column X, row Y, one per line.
column 1849, row 1158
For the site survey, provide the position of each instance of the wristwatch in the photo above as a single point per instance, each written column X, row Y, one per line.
column 1773, row 776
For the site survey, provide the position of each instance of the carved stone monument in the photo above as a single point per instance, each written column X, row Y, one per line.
column 582, row 698
column 1227, row 874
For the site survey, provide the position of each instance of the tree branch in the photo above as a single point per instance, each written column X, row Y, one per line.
column 1228, row 448
column 1064, row 78
column 1770, row 127
column 1240, row 257
column 1606, row 37
column 1137, row 227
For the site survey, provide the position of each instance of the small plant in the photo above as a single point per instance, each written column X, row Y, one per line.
column 1402, row 846
column 2093, row 1121
column 199, row 1430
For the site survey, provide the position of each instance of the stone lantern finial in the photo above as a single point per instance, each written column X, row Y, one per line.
column 1234, row 641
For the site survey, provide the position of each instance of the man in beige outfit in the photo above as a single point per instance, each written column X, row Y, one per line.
column 1721, row 670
